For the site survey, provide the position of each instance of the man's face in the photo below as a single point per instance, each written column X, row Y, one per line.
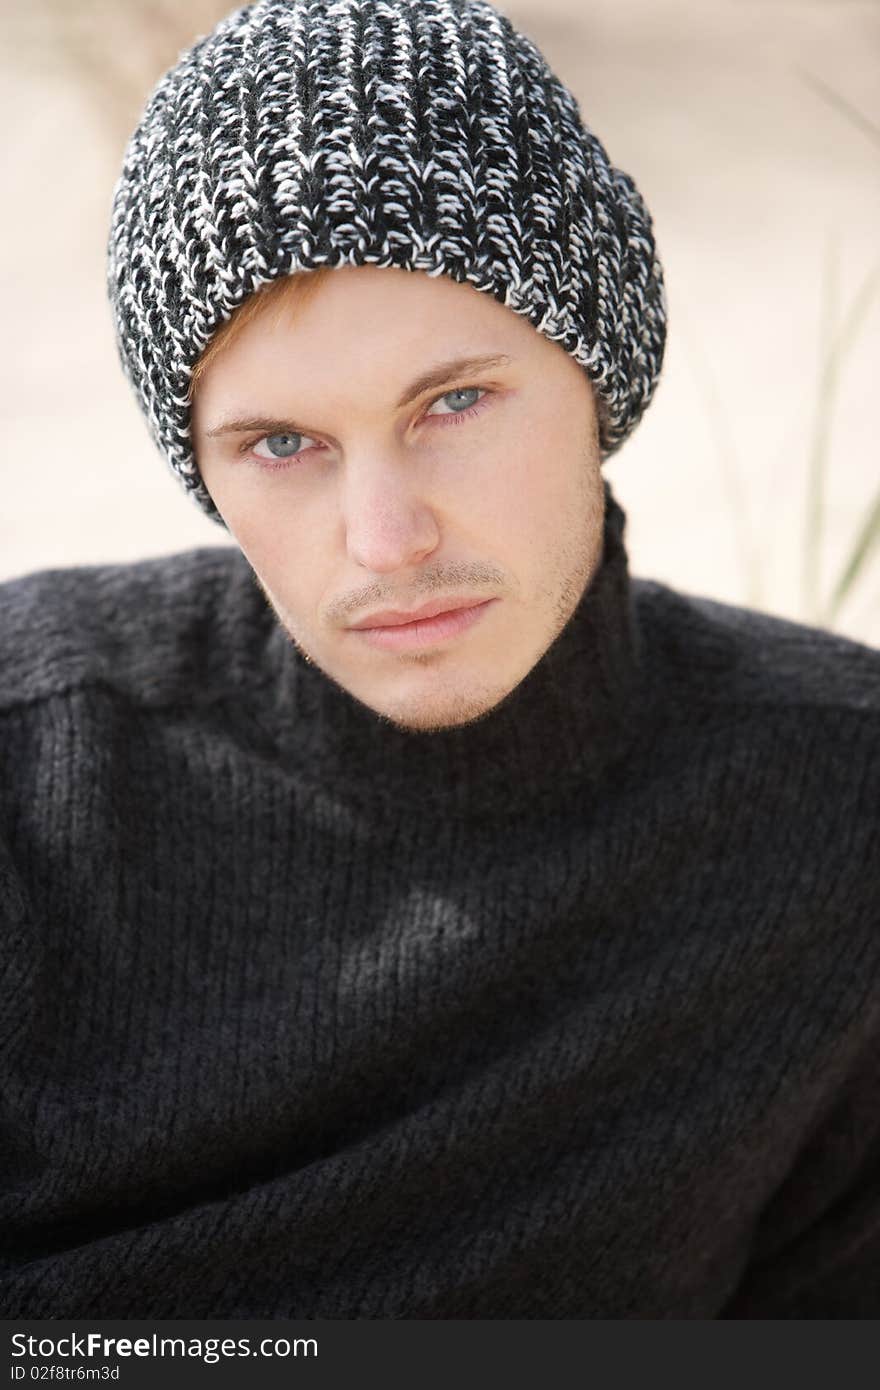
column 356, row 488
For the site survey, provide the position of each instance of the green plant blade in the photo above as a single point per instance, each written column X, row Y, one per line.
column 866, row 542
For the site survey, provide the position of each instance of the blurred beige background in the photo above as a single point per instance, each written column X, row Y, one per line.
column 752, row 128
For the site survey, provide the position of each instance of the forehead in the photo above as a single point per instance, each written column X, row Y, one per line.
column 367, row 304
column 366, row 325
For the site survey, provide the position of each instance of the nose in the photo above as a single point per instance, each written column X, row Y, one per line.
column 388, row 524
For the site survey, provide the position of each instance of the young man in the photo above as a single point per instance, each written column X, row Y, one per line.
column 407, row 913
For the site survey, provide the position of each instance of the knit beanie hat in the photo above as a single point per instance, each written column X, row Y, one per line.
column 423, row 134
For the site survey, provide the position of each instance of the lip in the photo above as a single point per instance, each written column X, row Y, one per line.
column 424, row 632
column 389, row 617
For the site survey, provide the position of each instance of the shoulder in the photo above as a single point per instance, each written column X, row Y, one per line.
column 767, row 732
column 768, row 714
column 153, row 630
column 724, row 654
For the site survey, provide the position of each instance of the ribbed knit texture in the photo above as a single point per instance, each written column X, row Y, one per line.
column 571, row 1013
column 424, row 134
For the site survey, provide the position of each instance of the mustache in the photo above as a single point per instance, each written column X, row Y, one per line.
column 453, row 578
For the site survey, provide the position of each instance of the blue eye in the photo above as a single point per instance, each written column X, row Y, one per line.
column 470, row 393
column 280, row 446
column 470, row 401
column 462, row 398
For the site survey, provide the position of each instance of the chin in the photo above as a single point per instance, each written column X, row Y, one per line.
column 433, row 721
column 432, row 712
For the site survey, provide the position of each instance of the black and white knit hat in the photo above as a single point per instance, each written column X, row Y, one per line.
column 424, row 134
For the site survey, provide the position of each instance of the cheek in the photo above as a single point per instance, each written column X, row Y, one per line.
column 536, row 493
column 286, row 555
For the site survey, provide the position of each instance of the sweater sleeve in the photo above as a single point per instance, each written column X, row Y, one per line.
column 827, row 1264
column 18, row 970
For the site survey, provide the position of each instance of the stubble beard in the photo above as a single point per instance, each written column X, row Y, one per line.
column 578, row 561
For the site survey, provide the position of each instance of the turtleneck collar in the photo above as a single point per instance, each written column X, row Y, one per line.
column 560, row 727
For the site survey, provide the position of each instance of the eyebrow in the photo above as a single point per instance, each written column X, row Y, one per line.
column 442, row 371
column 434, row 376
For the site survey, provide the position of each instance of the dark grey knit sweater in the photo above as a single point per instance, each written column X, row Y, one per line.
column 571, row 1013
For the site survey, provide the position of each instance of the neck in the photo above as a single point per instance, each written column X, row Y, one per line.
column 558, row 729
